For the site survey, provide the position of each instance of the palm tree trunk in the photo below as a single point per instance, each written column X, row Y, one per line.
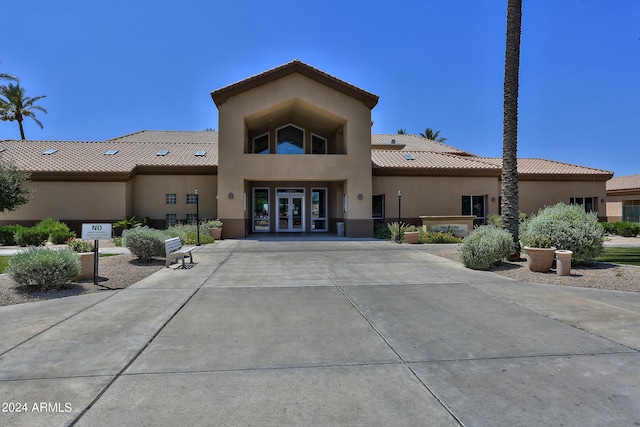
column 21, row 129
column 509, row 181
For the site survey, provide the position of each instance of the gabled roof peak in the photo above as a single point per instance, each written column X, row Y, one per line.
column 221, row 95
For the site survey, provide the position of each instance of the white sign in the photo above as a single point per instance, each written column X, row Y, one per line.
column 96, row 231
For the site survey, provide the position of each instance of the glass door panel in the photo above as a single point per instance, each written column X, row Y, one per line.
column 295, row 203
column 261, row 217
column 283, row 210
column 290, row 211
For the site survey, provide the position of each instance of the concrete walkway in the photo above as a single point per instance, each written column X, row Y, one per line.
column 323, row 333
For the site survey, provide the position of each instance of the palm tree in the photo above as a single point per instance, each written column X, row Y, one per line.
column 402, row 131
column 509, row 181
column 430, row 134
column 5, row 76
column 14, row 105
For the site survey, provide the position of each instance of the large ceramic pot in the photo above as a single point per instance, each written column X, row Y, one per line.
column 216, row 233
column 539, row 259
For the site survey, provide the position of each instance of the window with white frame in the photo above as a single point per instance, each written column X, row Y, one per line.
column 474, row 205
column 171, row 199
column 290, row 140
column 318, row 144
column 172, row 219
column 261, row 144
column 191, row 199
column 319, row 220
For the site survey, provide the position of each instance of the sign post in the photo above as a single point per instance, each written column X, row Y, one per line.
column 96, row 232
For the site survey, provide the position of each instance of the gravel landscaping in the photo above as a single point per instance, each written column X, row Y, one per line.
column 120, row 271
column 597, row 275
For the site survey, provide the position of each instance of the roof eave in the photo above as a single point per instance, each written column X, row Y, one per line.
column 221, row 95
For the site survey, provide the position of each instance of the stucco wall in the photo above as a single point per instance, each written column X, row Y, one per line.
column 149, row 195
column 293, row 98
column 72, row 201
column 434, row 195
column 535, row 195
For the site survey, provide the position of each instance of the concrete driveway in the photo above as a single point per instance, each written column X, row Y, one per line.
column 323, row 333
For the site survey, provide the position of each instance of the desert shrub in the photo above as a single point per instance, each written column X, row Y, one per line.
column 58, row 237
column 7, row 234
column 485, row 246
column 77, row 245
column 31, row 236
column 568, row 227
column 627, row 229
column 427, row 236
column 537, row 241
column 58, row 232
column 381, row 231
column 144, row 242
column 495, row 219
column 609, row 227
column 44, row 268
column 397, row 230
column 189, row 234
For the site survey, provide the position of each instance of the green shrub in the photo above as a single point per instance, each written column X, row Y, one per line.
column 7, row 234
column 627, row 229
column 568, row 227
column 44, row 268
column 145, row 242
column 495, row 219
column 381, row 231
column 397, row 230
column 77, row 245
column 609, row 227
column 537, row 241
column 427, row 236
column 485, row 246
column 57, row 231
column 31, row 236
column 188, row 233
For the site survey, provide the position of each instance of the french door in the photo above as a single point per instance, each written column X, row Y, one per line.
column 290, row 210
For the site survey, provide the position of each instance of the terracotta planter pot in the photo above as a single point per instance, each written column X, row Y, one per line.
column 412, row 236
column 539, row 259
column 216, row 233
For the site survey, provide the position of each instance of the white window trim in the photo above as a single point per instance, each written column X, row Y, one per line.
column 325, row 218
column 253, row 210
column 253, row 144
column 304, row 151
column 326, row 142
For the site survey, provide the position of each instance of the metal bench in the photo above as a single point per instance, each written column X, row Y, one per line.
column 174, row 249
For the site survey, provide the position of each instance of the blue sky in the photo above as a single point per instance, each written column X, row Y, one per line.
column 117, row 67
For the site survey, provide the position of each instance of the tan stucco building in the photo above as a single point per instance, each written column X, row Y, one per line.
column 294, row 153
column 623, row 198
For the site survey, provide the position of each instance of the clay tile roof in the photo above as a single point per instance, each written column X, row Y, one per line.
column 426, row 160
column 220, row 96
column 73, row 157
column 618, row 183
column 413, row 143
column 538, row 167
column 169, row 136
